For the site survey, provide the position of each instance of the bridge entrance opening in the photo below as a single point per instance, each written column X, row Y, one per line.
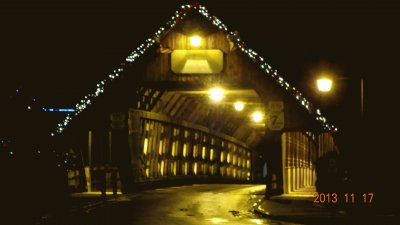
column 193, row 104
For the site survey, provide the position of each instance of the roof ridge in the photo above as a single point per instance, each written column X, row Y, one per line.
column 233, row 36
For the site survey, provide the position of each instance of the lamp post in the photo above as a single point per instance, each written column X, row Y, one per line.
column 324, row 85
column 362, row 96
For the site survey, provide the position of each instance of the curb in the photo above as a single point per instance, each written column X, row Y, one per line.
column 302, row 216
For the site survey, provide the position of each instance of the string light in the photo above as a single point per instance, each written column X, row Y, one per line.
column 233, row 36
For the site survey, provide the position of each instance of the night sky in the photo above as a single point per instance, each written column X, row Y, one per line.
column 59, row 50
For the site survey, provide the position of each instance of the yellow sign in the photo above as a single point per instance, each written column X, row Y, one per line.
column 276, row 118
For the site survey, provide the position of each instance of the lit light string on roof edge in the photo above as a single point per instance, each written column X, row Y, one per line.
column 233, row 36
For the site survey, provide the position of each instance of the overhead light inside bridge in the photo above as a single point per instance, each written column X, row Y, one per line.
column 257, row 116
column 216, row 94
column 195, row 41
column 239, row 106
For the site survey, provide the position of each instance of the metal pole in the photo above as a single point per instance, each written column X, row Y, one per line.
column 90, row 148
column 110, row 146
column 362, row 96
column 88, row 167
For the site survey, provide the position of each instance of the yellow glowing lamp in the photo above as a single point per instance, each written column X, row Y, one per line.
column 239, row 106
column 257, row 116
column 216, row 94
column 324, row 84
column 195, row 41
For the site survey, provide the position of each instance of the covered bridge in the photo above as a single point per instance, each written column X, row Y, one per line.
column 194, row 103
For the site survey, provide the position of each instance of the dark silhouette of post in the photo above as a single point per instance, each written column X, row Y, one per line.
column 362, row 96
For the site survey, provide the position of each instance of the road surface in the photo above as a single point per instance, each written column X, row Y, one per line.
column 186, row 205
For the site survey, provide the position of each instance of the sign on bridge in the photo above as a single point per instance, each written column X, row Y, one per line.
column 276, row 118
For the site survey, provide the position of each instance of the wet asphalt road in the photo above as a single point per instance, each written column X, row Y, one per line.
column 188, row 205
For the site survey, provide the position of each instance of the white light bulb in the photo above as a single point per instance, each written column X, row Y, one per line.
column 195, row 41
column 257, row 116
column 216, row 94
column 324, row 84
column 239, row 106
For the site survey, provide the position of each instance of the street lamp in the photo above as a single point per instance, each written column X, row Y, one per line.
column 324, row 84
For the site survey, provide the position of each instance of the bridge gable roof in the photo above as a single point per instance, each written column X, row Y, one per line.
column 233, row 37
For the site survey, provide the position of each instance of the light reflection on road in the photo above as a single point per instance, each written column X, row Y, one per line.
column 186, row 205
